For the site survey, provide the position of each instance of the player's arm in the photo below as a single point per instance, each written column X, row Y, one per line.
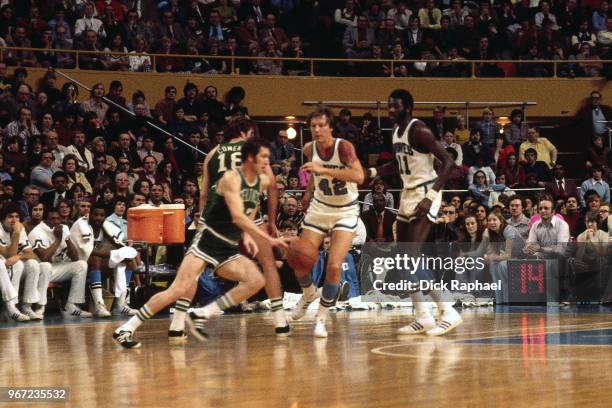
column 310, row 186
column 27, row 254
column 387, row 169
column 229, row 188
column 205, row 183
column 73, row 253
column 353, row 172
column 272, row 200
column 45, row 255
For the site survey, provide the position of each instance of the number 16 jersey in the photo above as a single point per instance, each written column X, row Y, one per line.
column 416, row 168
column 226, row 156
column 331, row 191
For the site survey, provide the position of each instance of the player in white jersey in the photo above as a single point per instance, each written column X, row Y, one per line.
column 415, row 149
column 334, row 209
column 20, row 263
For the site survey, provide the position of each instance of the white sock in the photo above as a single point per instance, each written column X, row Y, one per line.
column 439, row 298
column 178, row 319
column 280, row 320
column 322, row 313
column 97, row 296
column 309, row 290
column 421, row 307
column 131, row 325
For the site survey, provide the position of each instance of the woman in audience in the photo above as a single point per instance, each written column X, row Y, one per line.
column 501, row 150
column 35, row 149
column 167, row 174
column 143, row 187
column 65, row 211
column 378, row 186
column 461, row 132
column 514, row 172
column 69, row 165
column 484, row 193
column 481, row 212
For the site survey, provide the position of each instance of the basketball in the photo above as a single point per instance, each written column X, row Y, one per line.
column 302, row 255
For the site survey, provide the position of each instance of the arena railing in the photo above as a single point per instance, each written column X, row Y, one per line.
column 6, row 54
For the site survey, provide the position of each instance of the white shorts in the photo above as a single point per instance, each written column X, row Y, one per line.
column 322, row 218
column 410, row 198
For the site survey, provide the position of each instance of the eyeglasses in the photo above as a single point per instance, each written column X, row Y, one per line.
column 604, row 211
column 449, row 212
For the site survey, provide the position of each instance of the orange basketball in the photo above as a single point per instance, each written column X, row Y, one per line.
column 302, row 255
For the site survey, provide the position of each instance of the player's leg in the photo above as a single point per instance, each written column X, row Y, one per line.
column 302, row 256
column 94, row 276
column 250, row 280
column 189, row 270
column 31, row 275
column 42, row 287
column 341, row 241
column 9, row 296
column 273, row 286
column 123, row 275
column 76, row 273
column 176, row 332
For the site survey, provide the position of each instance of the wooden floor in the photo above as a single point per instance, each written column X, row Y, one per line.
column 523, row 358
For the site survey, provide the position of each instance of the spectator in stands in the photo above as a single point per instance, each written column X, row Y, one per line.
column 296, row 51
column 125, row 150
column 600, row 16
column 31, row 195
column 378, row 186
column 51, row 198
column 41, row 174
column 489, row 129
column 345, row 129
column 597, row 154
column 483, row 161
column 211, row 104
column 484, row 193
column 267, row 66
column 167, row 27
column 430, row 16
column 378, row 220
column 545, row 14
column 277, row 34
column 468, row 37
column 517, row 219
column 69, row 166
column 501, row 150
column 388, row 35
column 448, row 141
column 439, row 125
column 461, row 132
column 282, row 149
column 583, row 35
column 447, row 226
column 589, row 118
column 60, row 262
column 95, row 103
column 413, row 35
column 473, row 148
column 164, row 109
column 535, row 166
column 91, row 59
column 595, row 183
column 400, row 14
column 24, row 127
column 515, row 132
column 358, row 40
column 545, row 150
column 99, row 170
column 549, row 235
column 289, row 211
column 21, row 58
column 604, row 37
column 560, row 187
column 345, row 17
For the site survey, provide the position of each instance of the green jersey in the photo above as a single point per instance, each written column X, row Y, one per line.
column 227, row 156
column 217, row 215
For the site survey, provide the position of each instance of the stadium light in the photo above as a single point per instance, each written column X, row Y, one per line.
column 291, row 133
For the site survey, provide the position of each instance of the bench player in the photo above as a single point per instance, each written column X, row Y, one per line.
column 230, row 207
column 415, row 149
column 334, row 209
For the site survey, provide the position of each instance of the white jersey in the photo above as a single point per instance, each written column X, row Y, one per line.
column 331, row 191
column 81, row 235
column 5, row 239
column 415, row 168
column 42, row 237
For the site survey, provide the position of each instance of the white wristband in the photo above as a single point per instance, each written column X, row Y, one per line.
column 372, row 172
column 432, row 195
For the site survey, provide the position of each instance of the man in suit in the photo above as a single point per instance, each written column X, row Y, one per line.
column 255, row 9
column 276, row 33
column 379, row 221
column 51, row 199
column 588, row 117
column 358, row 41
column 560, row 188
column 99, row 169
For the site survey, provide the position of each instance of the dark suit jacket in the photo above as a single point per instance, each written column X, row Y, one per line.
column 570, row 190
column 48, row 198
column 584, row 119
column 370, row 220
column 92, row 175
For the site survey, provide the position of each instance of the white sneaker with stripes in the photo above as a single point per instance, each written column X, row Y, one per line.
column 448, row 321
column 419, row 325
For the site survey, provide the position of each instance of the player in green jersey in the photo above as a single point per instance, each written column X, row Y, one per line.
column 230, row 208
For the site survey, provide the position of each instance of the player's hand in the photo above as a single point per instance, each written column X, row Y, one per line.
column 279, row 243
column 314, row 168
column 250, row 245
column 58, row 231
column 12, row 260
column 422, row 208
column 17, row 228
column 272, row 230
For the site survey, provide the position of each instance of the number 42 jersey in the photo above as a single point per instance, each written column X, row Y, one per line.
column 416, row 168
column 331, row 191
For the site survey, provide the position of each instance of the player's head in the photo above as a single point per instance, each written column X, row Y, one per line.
column 400, row 105
column 53, row 217
column 9, row 214
column 241, row 127
column 256, row 153
column 321, row 122
column 97, row 215
column 83, row 207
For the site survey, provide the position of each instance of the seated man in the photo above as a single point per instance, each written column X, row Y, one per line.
column 20, row 261
column 108, row 253
column 60, row 260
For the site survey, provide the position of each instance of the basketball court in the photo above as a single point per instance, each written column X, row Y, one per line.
column 509, row 357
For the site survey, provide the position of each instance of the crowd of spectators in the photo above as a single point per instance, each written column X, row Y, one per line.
column 60, row 153
column 447, row 30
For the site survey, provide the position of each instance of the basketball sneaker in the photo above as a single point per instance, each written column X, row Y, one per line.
column 448, row 321
column 16, row 316
column 420, row 325
column 300, row 308
column 195, row 324
column 283, row 331
column 177, row 337
column 101, row 311
column 319, row 328
column 125, row 339
column 27, row 310
column 74, row 312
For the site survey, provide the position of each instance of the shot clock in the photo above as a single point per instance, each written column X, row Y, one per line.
column 533, row 281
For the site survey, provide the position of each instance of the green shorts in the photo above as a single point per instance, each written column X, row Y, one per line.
column 214, row 250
